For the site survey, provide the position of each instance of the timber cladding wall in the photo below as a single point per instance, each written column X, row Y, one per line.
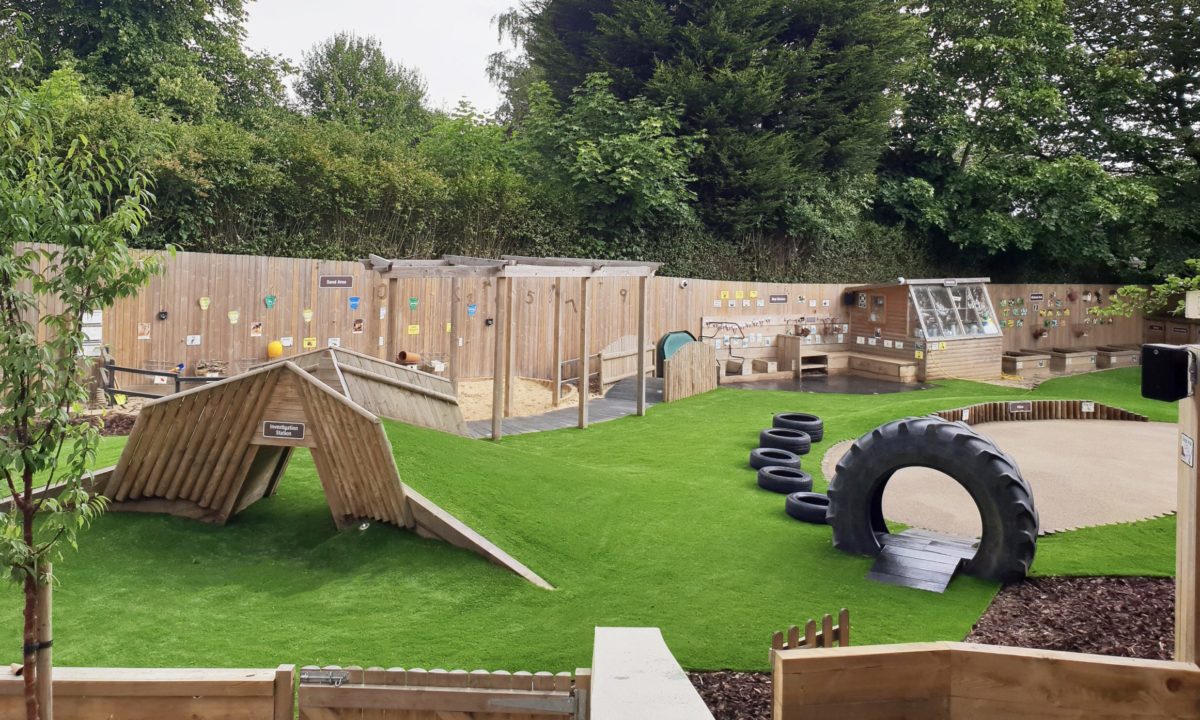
column 270, row 296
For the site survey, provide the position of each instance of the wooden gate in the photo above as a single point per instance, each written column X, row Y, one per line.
column 690, row 371
column 334, row 693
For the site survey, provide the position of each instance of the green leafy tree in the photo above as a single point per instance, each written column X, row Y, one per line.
column 981, row 160
column 1135, row 108
column 1166, row 296
column 622, row 165
column 787, row 96
column 83, row 197
column 348, row 78
column 185, row 55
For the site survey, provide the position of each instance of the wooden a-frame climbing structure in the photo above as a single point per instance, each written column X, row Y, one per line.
column 210, row 452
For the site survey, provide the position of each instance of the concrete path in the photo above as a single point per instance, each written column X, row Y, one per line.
column 1083, row 473
column 620, row 401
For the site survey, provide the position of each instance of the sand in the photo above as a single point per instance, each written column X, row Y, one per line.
column 1083, row 473
column 529, row 397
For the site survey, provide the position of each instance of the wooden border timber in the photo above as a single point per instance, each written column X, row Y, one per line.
column 1187, row 532
column 1018, row 410
column 82, row 693
column 949, row 681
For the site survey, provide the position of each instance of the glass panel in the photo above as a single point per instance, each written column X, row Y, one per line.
column 953, row 312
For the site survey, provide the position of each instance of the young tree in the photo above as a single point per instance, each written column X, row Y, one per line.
column 82, row 197
column 349, row 79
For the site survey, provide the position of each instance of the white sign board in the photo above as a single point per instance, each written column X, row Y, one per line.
column 1191, row 306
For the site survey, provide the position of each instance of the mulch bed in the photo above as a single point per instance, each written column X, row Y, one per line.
column 735, row 695
column 1126, row 617
column 113, row 423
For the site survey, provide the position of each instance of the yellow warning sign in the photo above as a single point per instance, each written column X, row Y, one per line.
column 414, row 329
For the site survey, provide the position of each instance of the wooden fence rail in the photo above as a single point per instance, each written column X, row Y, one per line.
column 156, row 693
column 333, row 693
column 829, row 635
column 1017, row 410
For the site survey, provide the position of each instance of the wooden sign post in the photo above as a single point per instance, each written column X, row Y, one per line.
column 1187, row 542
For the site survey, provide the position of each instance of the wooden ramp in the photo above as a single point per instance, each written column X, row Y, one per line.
column 634, row 675
column 921, row 560
column 211, row 452
column 385, row 389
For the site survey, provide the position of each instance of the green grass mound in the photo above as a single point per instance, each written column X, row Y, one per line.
column 641, row 521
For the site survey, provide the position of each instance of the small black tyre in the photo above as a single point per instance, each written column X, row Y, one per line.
column 784, row 480
column 811, row 424
column 762, row 457
column 796, row 441
column 807, row 507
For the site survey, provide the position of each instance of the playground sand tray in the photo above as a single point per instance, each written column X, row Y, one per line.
column 1083, row 473
column 529, row 397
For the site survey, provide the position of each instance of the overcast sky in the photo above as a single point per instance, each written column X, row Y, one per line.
column 448, row 41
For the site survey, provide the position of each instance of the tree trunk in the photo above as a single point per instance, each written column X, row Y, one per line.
column 30, row 654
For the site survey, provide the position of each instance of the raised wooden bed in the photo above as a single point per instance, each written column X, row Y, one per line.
column 1110, row 356
column 1026, row 364
column 1072, row 360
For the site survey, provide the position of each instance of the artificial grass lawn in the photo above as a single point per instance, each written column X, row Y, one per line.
column 640, row 521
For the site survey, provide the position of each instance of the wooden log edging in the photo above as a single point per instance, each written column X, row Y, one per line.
column 1018, row 410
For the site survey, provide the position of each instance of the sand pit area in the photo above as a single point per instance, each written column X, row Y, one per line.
column 1083, row 473
column 529, row 397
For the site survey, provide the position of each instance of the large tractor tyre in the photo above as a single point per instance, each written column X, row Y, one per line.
column 762, row 457
column 784, row 480
column 809, row 507
column 796, row 441
column 1004, row 499
column 811, row 424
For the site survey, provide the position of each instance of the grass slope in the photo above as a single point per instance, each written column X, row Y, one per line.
column 653, row 521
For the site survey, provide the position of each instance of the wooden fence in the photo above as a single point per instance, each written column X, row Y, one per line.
column 948, row 681
column 1016, row 410
column 828, row 636
column 156, row 693
column 690, row 371
column 334, row 693
column 228, row 307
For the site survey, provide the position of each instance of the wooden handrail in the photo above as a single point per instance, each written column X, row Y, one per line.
column 370, row 375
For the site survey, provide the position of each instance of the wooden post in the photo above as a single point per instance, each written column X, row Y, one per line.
column 1187, row 537
column 393, row 312
column 455, row 311
column 641, row 347
column 45, row 653
column 510, row 358
column 498, row 360
column 558, row 303
column 585, row 361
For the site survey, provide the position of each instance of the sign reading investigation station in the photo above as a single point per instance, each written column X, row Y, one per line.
column 283, row 430
column 335, row 281
column 779, row 299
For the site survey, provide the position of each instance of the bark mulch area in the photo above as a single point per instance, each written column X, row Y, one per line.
column 112, row 423
column 1127, row 617
column 735, row 695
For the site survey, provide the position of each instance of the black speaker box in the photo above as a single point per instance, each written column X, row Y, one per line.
column 1166, row 372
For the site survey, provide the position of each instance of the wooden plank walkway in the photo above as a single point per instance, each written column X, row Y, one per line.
column 620, row 402
column 921, row 560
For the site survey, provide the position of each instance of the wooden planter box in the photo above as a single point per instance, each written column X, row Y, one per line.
column 1154, row 330
column 1178, row 332
column 1026, row 363
column 1072, row 360
column 1109, row 356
